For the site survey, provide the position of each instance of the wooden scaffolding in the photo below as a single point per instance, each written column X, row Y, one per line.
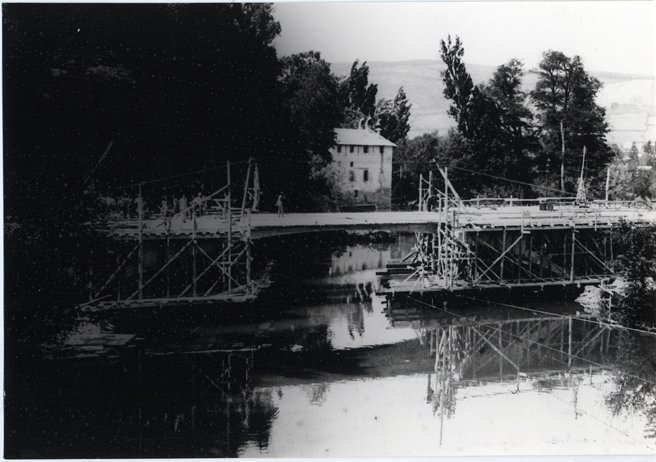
column 177, row 265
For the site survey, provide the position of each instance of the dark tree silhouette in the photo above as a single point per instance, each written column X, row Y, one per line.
column 568, row 116
column 393, row 117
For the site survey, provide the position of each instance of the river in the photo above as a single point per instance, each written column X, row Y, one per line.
column 322, row 366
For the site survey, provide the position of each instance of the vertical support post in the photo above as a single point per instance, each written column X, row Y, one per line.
column 141, row 249
column 248, row 179
column 541, row 255
column 432, row 252
column 520, row 350
column 421, row 192
column 564, row 254
column 229, row 207
column 571, row 272
column 562, row 340
column 530, row 254
column 446, row 194
column 256, row 189
column 451, row 251
column 118, row 279
column 607, row 184
column 193, row 253
column 500, row 349
column 562, row 159
column 442, row 252
column 503, row 250
column 168, row 256
column 569, row 343
column 439, row 206
column 539, row 345
column 430, row 188
column 248, row 251
column 473, row 356
column 476, row 244
column 443, row 386
column 520, row 255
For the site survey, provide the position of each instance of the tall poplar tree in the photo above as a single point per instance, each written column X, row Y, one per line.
column 358, row 95
column 393, row 117
column 490, row 120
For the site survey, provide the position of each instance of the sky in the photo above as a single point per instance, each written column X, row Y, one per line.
column 611, row 36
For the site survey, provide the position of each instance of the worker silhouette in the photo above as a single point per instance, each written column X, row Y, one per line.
column 280, row 203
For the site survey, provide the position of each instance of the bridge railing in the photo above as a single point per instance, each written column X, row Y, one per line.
column 484, row 202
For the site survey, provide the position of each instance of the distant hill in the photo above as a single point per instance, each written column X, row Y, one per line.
column 629, row 99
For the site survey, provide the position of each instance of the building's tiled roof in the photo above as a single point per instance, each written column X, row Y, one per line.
column 360, row 137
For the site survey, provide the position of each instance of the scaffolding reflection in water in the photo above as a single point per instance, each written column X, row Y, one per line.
column 541, row 353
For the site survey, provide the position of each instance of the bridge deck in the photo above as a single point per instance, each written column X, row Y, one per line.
column 266, row 225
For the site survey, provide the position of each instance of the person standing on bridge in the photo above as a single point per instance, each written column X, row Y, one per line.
column 184, row 210
column 164, row 209
column 140, row 206
column 197, row 204
column 280, row 203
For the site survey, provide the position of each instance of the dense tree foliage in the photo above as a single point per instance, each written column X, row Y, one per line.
column 494, row 121
column 99, row 98
column 635, row 263
column 311, row 97
column 627, row 178
column 177, row 88
column 422, row 154
column 516, row 135
column 635, row 387
column 507, row 141
column 569, row 118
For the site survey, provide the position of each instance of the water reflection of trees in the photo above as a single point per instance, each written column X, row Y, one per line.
column 210, row 410
column 179, row 405
column 635, row 386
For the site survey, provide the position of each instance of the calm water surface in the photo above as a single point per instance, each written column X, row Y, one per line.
column 322, row 366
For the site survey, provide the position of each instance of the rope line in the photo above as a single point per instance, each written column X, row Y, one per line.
column 183, row 174
column 618, row 326
column 541, row 344
column 515, row 181
column 577, row 409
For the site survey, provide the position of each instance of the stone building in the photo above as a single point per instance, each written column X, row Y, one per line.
column 363, row 162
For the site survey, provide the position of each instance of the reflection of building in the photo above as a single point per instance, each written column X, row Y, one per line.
column 364, row 164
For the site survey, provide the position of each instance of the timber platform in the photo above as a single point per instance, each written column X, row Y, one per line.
column 511, row 247
column 261, row 225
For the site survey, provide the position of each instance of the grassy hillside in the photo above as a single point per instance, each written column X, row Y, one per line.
column 629, row 100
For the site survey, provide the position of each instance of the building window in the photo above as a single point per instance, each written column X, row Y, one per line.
column 351, row 164
column 351, row 148
column 382, row 149
column 351, row 175
column 339, row 148
column 365, row 175
column 339, row 164
column 355, row 193
column 365, row 149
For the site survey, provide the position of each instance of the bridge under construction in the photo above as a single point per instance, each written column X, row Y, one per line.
column 189, row 258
